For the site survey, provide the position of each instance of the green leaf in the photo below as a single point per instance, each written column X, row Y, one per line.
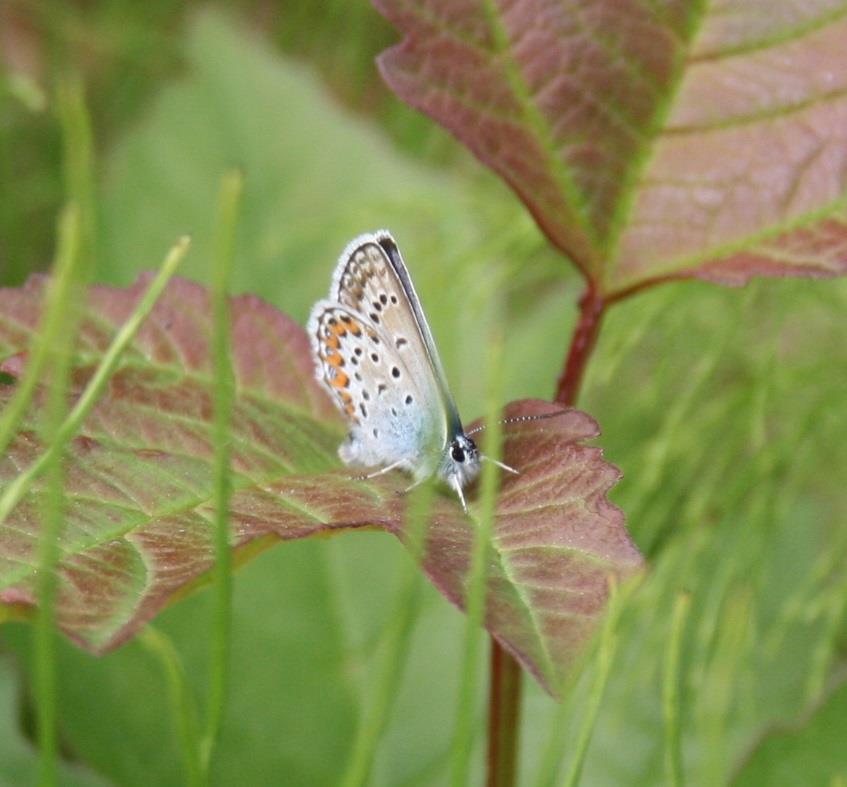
column 140, row 484
column 808, row 752
column 648, row 141
column 287, row 650
column 315, row 176
column 18, row 757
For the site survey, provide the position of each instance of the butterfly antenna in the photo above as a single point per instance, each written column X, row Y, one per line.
column 499, row 464
column 519, row 419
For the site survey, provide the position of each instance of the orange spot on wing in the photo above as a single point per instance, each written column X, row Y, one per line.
column 335, row 360
column 340, row 380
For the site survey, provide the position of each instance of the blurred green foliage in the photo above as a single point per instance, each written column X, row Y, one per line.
column 725, row 409
column 127, row 51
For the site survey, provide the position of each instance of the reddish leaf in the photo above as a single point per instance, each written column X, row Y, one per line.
column 649, row 140
column 138, row 530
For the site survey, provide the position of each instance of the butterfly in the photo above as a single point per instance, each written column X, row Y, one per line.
column 375, row 355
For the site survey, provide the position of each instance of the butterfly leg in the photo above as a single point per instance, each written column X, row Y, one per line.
column 454, row 482
column 415, row 485
column 381, row 471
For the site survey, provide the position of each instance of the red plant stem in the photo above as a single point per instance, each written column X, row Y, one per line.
column 503, row 717
column 591, row 309
column 505, row 680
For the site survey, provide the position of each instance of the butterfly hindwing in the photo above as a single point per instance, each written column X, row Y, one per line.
column 392, row 417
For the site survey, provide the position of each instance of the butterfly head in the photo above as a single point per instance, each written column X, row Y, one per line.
column 460, row 462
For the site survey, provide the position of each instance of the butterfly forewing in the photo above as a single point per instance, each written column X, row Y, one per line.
column 374, row 361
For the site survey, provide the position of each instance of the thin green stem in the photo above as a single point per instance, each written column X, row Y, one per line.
column 605, row 656
column 397, row 639
column 224, row 394
column 21, row 484
column 554, row 751
column 56, row 343
column 50, row 330
column 671, row 702
column 54, row 353
column 78, row 161
column 78, row 168
column 477, row 574
column 182, row 701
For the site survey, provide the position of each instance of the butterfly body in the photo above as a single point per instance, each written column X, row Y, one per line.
column 375, row 355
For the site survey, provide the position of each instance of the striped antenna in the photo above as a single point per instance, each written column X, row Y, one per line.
column 518, row 419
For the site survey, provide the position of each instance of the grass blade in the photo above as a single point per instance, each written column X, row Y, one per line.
column 19, row 487
column 78, row 162
column 182, row 702
column 397, row 638
column 605, row 657
column 476, row 585
column 55, row 344
column 224, row 393
column 54, row 350
column 79, row 188
column 671, row 694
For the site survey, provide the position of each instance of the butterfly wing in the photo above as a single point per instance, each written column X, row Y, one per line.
column 375, row 355
column 369, row 273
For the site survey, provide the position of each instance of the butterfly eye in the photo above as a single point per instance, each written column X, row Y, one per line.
column 458, row 454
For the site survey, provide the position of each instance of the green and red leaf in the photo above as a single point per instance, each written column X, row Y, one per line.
column 139, row 533
column 649, row 141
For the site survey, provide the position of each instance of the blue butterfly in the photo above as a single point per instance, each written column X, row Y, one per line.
column 375, row 355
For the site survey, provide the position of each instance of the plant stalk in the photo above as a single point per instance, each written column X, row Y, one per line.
column 584, row 337
column 503, row 717
column 220, row 656
column 504, row 695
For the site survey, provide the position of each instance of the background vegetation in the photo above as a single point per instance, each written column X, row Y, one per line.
column 724, row 408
